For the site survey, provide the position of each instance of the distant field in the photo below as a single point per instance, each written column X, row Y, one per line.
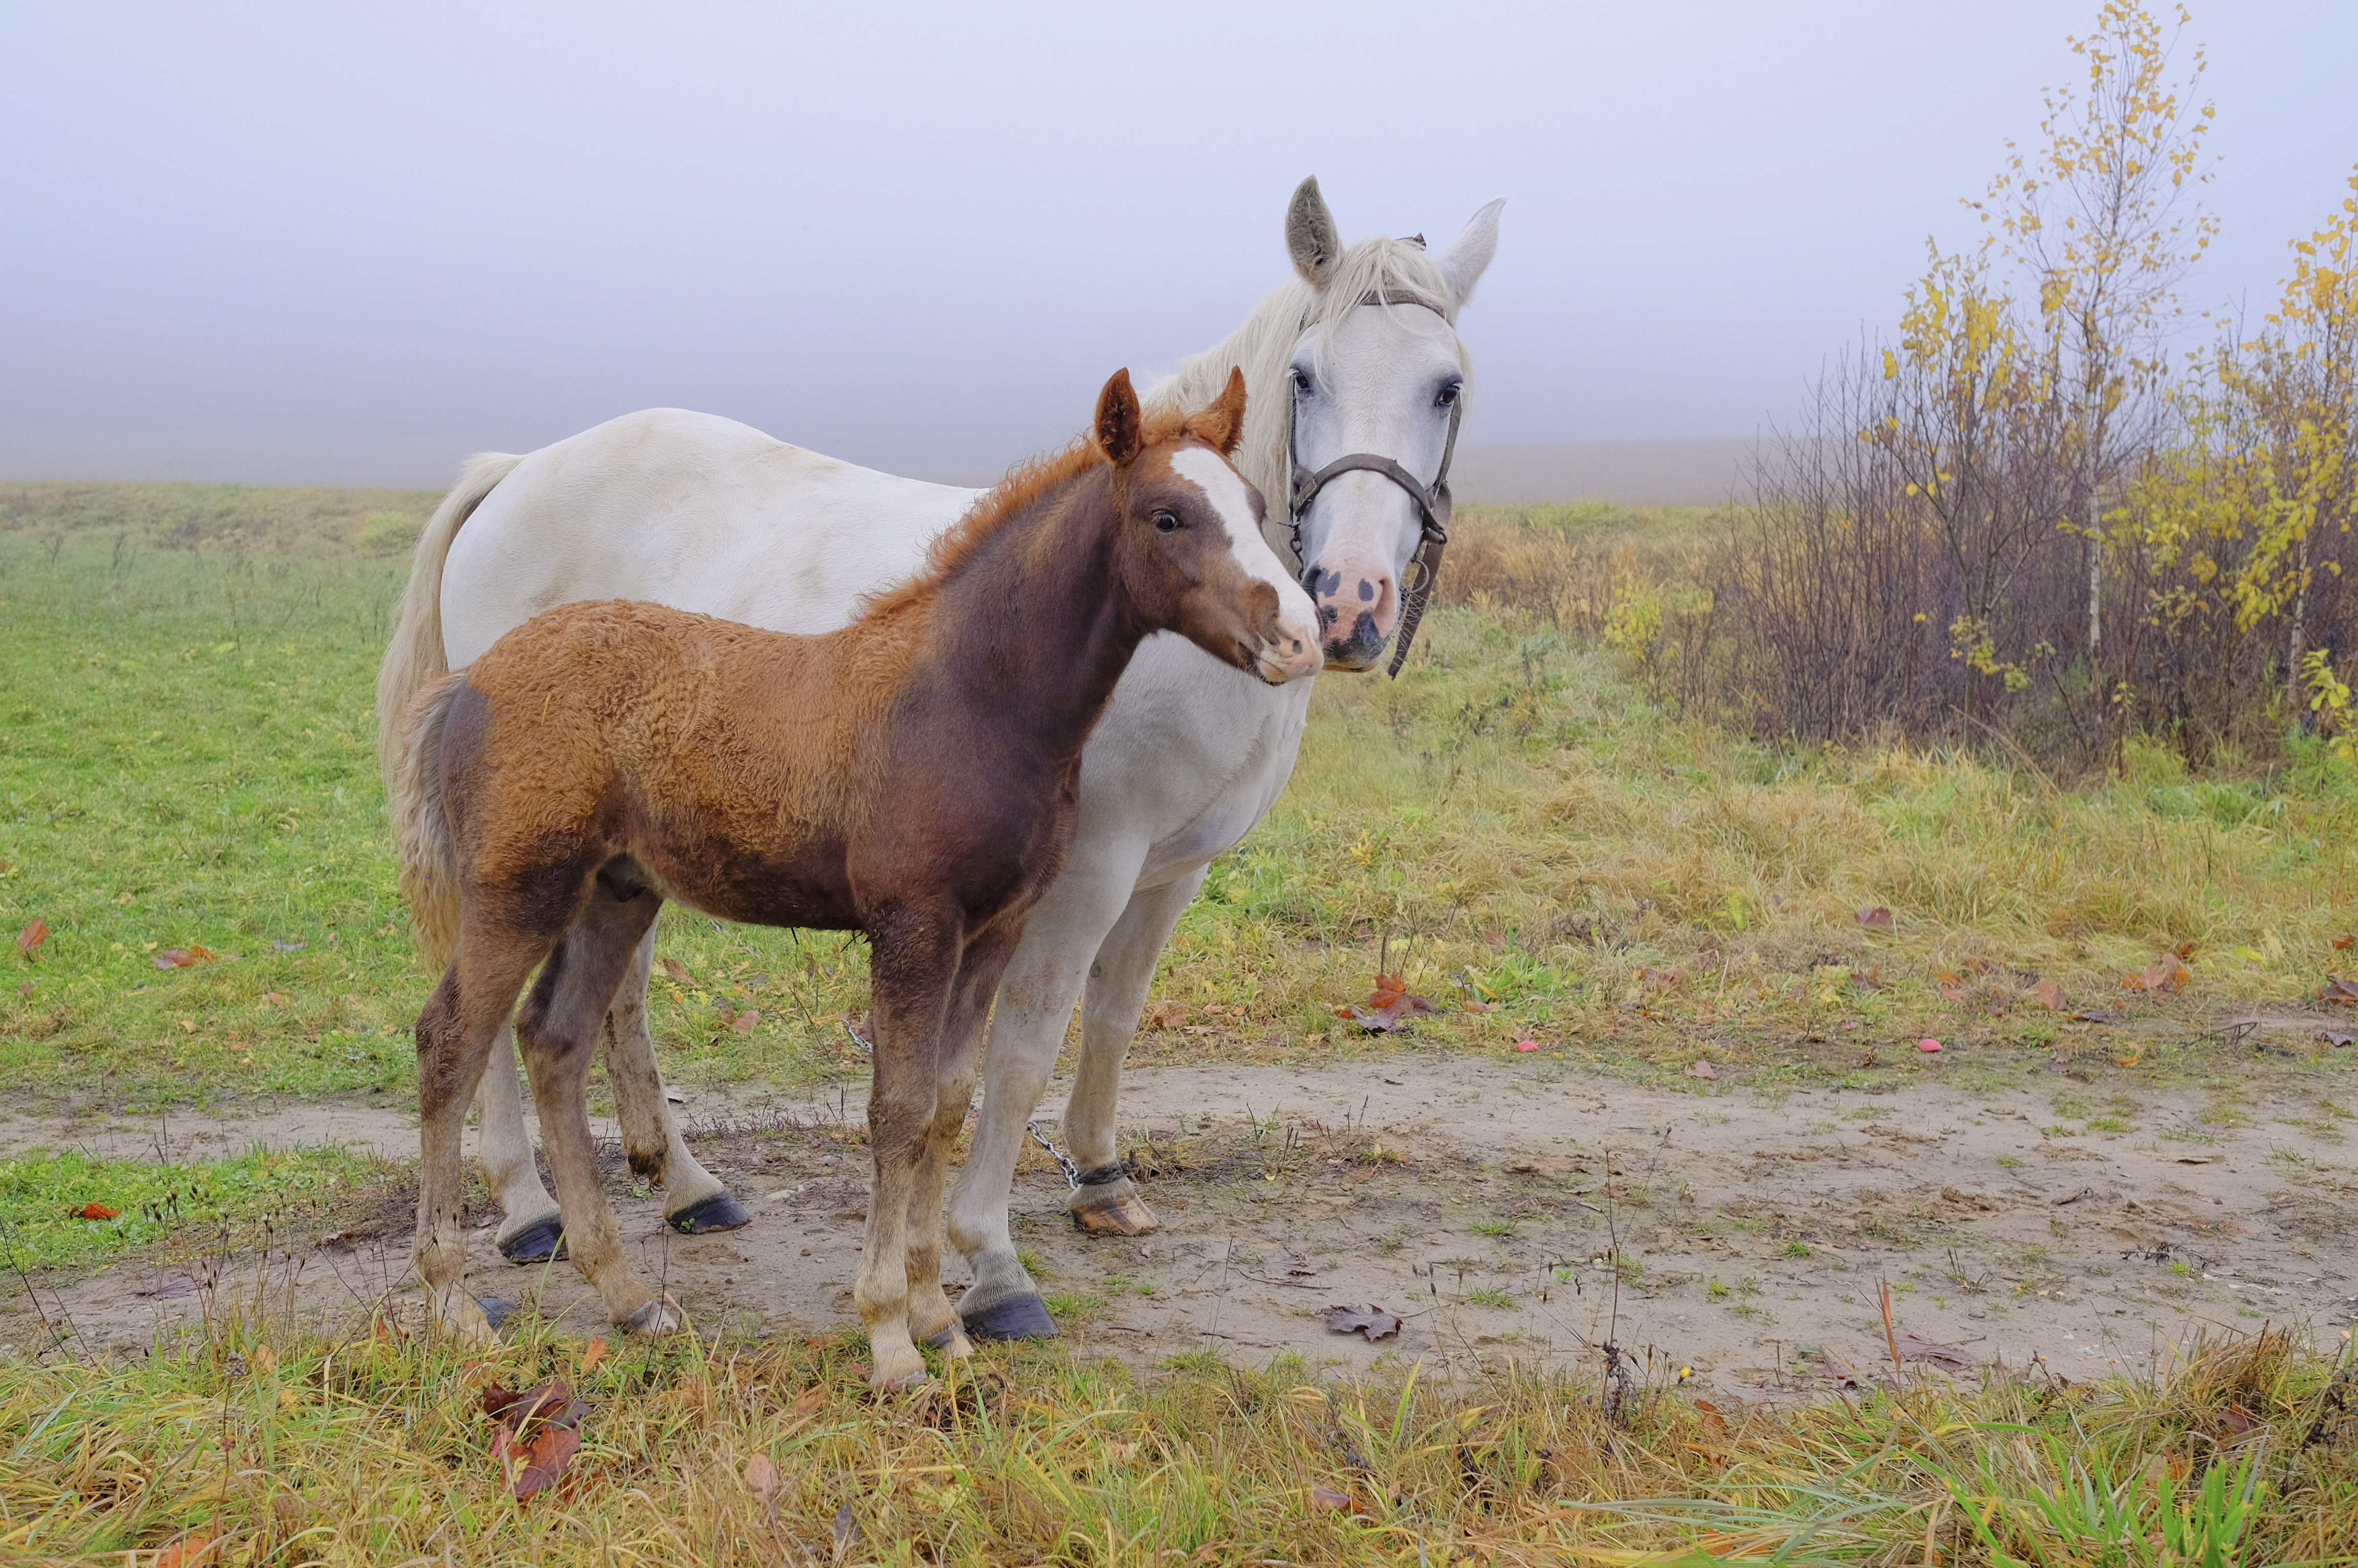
column 186, row 751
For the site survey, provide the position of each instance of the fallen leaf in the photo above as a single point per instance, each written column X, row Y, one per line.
column 184, row 958
column 810, row 1401
column 1373, row 1321
column 30, row 940
column 25, row 990
column 1953, row 993
column 1916, row 1347
column 278, row 946
column 1167, row 1014
column 2075, row 1197
column 1286, row 1264
column 97, row 1211
column 2095, row 1015
column 862, row 1031
column 1328, row 1498
column 2344, row 941
column 276, row 998
column 1702, row 1070
column 2339, row 1037
column 761, row 1480
column 593, row 1353
column 678, row 971
column 1928, row 1045
column 2051, row 996
column 192, row 1550
column 743, row 1022
column 1389, row 1008
column 1480, row 1006
column 2166, row 973
column 2339, row 990
column 534, row 1439
column 844, row 1529
column 1875, row 919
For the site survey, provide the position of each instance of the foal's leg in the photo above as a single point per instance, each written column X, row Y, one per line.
column 466, row 1012
column 558, row 1029
column 530, row 1225
column 694, row 1199
column 1043, row 980
column 931, row 1316
column 914, row 962
column 1119, row 981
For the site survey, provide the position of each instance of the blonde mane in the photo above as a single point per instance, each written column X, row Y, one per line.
column 1264, row 348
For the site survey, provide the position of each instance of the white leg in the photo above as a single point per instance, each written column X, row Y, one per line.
column 1027, row 1029
column 530, row 1224
column 694, row 1199
column 1119, row 981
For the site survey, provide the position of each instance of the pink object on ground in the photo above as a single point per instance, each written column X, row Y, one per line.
column 1526, row 1045
column 1928, row 1045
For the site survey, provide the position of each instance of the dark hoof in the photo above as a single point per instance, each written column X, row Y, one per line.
column 945, row 1338
column 1010, row 1317
column 719, row 1212
column 542, row 1241
column 497, row 1309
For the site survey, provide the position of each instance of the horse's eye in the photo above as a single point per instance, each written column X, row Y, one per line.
column 1448, row 395
column 1301, row 381
column 1164, row 522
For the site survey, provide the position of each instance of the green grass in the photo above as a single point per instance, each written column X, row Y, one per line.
column 371, row 1448
column 43, row 1196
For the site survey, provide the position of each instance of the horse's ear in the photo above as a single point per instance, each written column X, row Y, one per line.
column 1310, row 235
column 1469, row 254
column 1221, row 422
column 1121, row 428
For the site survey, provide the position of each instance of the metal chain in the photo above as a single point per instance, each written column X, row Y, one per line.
column 1072, row 1172
column 1065, row 1161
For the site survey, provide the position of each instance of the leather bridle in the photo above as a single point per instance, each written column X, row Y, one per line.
column 1432, row 502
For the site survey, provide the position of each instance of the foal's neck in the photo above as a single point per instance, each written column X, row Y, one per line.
column 1033, row 628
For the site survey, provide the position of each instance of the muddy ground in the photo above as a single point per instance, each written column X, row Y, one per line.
column 1496, row 1208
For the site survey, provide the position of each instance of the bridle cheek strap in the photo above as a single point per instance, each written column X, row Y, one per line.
column 1433, row 509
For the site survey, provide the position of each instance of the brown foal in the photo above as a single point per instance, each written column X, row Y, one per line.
column 911, row 776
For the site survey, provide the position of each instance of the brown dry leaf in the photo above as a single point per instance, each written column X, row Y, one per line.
column 844, row 1529
column 1953, row 993
column 761, row 1479
column 276, row 998
column 194, row 1549
column 1702, row 1070
column 592, row 1353
column 184, row 958
column 534, row 1439
column 1916, row 1347
column 1389, row 1008
column 1373, row 1321
column 678, row 971
column 2345, row 941
column 1329, row 1498
column 1875, row 919
column 2168, row 973
column 2339, row 990
column 1167, row 1014
column 2051, row 996
column 30, row 940
column 744, row 1022
column 97, row 1211
column 808, row 1401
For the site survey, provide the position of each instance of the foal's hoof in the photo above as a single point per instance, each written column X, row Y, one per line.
column 951, row 1341
column 661, row 1315
column 719, row 1212
column 1125, row 1215
column 497, row 1310
column 542, row 1241
column 1010, row 1317
column 902, row 1382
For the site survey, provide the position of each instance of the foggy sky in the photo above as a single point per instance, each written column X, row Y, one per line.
column 350, row 245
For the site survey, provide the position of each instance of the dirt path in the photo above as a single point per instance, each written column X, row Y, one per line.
column 1513, row 1209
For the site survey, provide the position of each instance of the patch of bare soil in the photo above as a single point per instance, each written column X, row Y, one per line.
column 1517, row 1210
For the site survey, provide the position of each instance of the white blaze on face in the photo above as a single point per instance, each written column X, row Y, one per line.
column 1225, row 489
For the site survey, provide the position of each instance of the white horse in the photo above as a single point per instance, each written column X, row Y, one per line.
column 1354, row 373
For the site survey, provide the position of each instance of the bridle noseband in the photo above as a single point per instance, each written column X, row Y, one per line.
column 1432, row 502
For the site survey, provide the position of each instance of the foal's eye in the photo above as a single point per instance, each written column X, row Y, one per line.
column 1448, row 395
column 1164, row 522
column 1301, row 381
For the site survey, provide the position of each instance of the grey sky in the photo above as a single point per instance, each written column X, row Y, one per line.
column 348, row 244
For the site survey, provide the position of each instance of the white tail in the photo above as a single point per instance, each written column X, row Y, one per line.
column 415, row 654
column 421, row 832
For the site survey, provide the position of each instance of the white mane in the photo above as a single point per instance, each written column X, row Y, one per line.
column 1263, row 346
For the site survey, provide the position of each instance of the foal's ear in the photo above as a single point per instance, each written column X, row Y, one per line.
column 1221, row 422
column 1121, row 428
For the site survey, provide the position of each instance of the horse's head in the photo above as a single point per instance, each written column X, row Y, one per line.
column 1377, row 372
column 1191, row 550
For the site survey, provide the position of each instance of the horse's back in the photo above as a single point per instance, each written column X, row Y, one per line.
column 689, row 510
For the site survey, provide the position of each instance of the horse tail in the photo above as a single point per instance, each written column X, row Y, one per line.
column 415, row 654
column 421, row 828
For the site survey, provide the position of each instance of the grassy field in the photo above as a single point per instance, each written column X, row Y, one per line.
column 189, row 811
